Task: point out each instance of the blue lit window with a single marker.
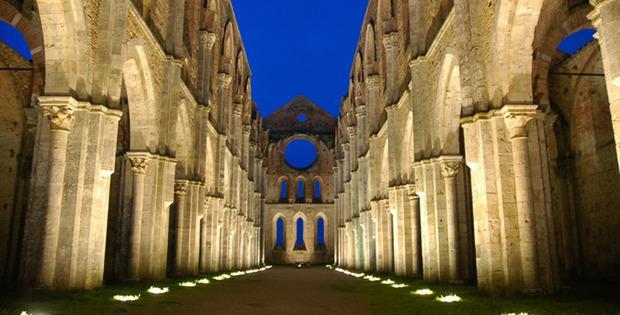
(299, 242)
(577, 40)
(14, 39)
(320, 233)
(280, 233)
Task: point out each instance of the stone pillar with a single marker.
(517, 118)
(606, 18)
(139, 163)
(223, 85)
(390, 42)
(207, 39)
(416, 250)
(450, 167)
(205, 242)
(59, 112)
(374, 89)
(180, 226)
(236, 129)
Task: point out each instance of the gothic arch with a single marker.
(370, 50)
(514, 29)
(184, 142)
(141, 99)
(67, 54)
(448, 107)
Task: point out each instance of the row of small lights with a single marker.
(451, 298)
(189, 284)
(186, 284)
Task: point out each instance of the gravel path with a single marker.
(280, 290)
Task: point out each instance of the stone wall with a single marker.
(478, 165)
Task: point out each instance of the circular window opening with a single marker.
(302, 118)
(300, 154)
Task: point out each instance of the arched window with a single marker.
(279, 234)
(320, 234)
(299, 242)
(301, 191)
(13, 38)
(283, 191)
(317, 190)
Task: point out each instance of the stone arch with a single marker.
(370, 50)
(67, 51)
(184, 142)
(227, 48)
(138, 82)
(546, 52)
(31, 31)
(448, 107)
(514, 29)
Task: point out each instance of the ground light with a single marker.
(156, 290)
(238, 273)
(187, 284)
(449, 298)
(126, 298)
(388, 282)
(423, 292)
(203, 281)
(523, 313)
(399, 286)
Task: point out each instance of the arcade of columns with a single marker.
(139, 148)
(469, 149)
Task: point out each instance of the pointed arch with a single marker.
(300, 220)
(67, 52)
(138, 82)
(448, 107)
(370, 49)
(184, 142)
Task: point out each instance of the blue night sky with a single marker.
(300, 47)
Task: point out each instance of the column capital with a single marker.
(237, 109)
(180, 187)
(224, 80)
(139, 161)
(360, 111)
(450, 166)
(352, 130)
(207, 39)
(390, 41)
(372, 81)
(59, 110)
(517, 117)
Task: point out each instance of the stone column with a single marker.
(139, 163)
(236, 129)
(416, 251)
(207, 39)
(180, 191)
(59, 112)
(223, 84)
(374, 88)
(390, 42)
(516, 119)
(450, 167)
(205, 242)
(606, 18)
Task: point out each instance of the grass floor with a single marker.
(579, 299)
(376, 297)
